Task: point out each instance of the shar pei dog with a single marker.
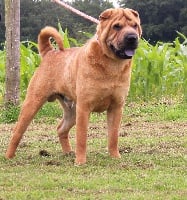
(91, 78)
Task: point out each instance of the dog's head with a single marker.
(118, 32)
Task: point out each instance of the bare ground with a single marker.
(95, 130)
(168, 135)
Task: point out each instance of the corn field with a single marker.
(159, 71)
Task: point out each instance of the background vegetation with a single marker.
(160, 18)
(159, 71)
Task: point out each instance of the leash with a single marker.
(70, 8)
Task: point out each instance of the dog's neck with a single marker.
(109, 55)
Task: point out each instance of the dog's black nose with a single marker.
(131, 38)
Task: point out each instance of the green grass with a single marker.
(153, 145)
(170, 111)
(157, 111)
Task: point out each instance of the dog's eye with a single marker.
(117, 27)
(135, 26)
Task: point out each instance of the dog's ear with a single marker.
(135, 13)
(105, 14)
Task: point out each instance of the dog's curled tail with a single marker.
(44, 43)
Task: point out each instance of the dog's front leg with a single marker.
(82, 119)
(113, 120)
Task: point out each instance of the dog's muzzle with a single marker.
(126, 48)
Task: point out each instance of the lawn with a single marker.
(153, 145)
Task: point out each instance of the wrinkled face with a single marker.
(118, 32)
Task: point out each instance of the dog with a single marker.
(91, 78)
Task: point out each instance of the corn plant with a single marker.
(67, 41)
(160, 70)
(30, 59)
(181, 50)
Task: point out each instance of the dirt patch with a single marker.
(53, 162)
(157, 128)
(149, 129)
(97, 130)
(123, 150)
(44, 153)
(167, 136)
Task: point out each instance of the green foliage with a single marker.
(160, 70)
(160, 18)
(64, 36)
(155, 111)
(49, 113)
(29, 61)
(160, 22)
(36, 14)
(9, 114)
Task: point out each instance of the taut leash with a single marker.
(70, 8)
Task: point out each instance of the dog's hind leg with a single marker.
(68, 121)
(31, 105)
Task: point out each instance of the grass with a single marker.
(153, 145)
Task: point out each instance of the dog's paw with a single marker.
(115, 155)
(9, 155)
(80, 161)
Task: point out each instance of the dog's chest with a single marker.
(100, 97)
(101, 104)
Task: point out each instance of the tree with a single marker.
(92, 8)
(37, 14)
(12, 79)
(160, 18)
